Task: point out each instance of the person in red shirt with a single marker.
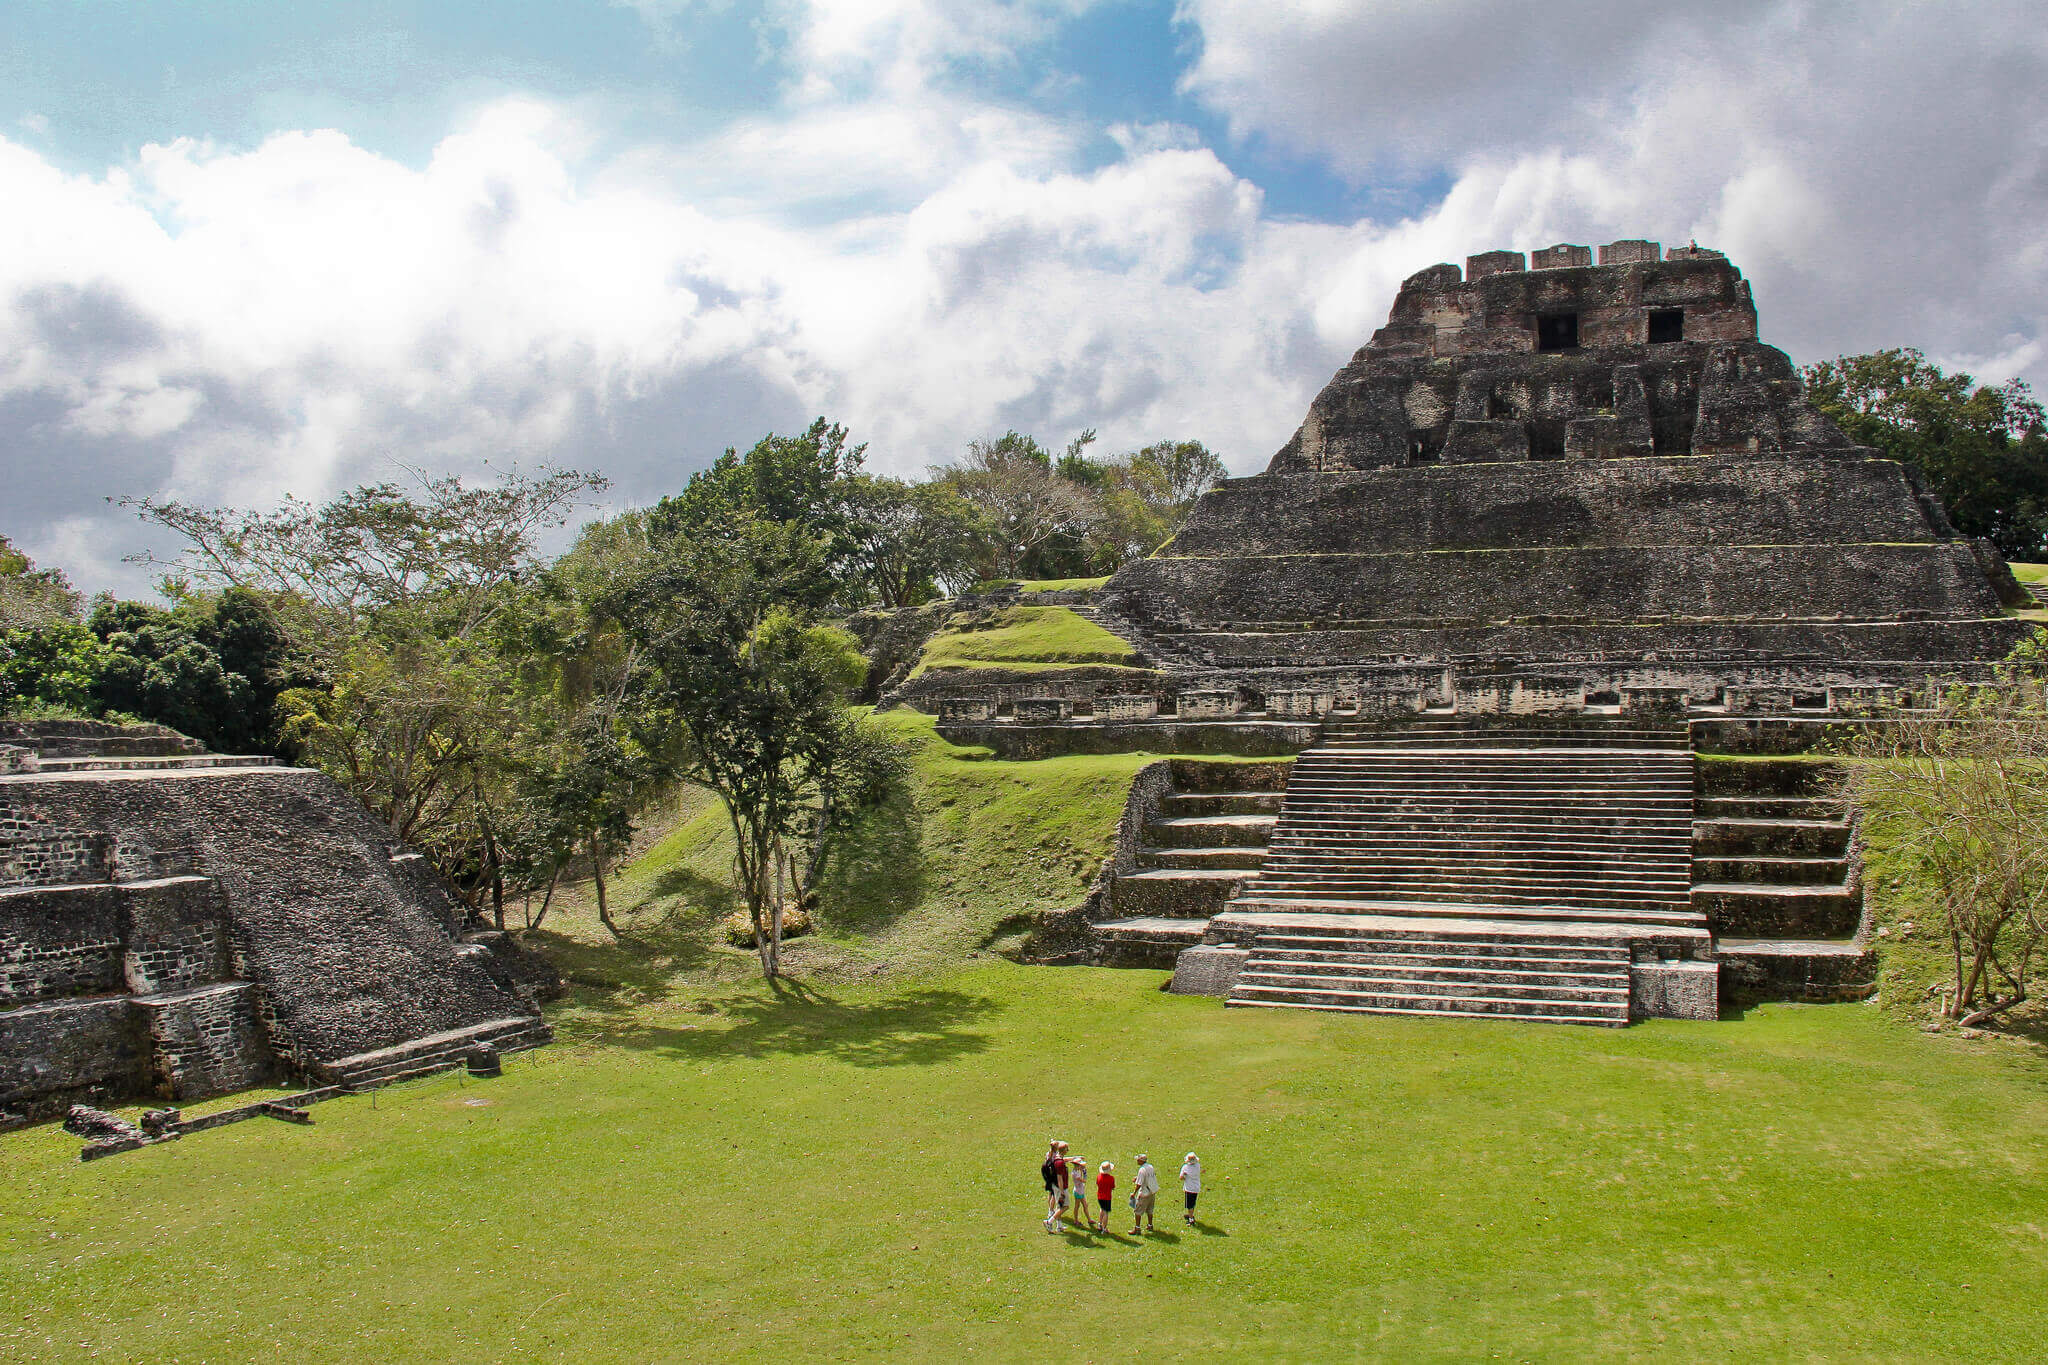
(1105, 1191)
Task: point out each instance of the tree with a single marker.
(1027, 507)
(53, 667)
(735, 660)
(32, 597)
(211, 667)
(910, 541)
(439, 558)
(402, 604)
(1961, 796)
(795, 479)
(1982, 449)
(1185, 470)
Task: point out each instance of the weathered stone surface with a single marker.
(1208, 970)
(1595, 474)
(289, 932)
(1674, 990)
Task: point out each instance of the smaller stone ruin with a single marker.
(176, 925)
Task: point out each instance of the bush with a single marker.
(739, 930)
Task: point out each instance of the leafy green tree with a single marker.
(1036, 522)
(53, 667)
(1981, 448)
(402, 604)
(782, 478)
(31, 597)
(911, 542)
(212, 667)
(737, 665)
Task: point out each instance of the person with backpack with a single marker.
(1054, 1171)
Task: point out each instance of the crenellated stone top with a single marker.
(1646, 353)
(1637, 295)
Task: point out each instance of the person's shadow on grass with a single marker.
(1208, 1229)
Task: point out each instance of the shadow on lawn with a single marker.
(877, 873)
(914, 1029)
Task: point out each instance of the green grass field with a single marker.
(1023, 638)
(845, 1168)
(2030, 573)
(849, 1173)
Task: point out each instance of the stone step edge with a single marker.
(1594, 1019)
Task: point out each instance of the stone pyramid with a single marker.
(1541, 488)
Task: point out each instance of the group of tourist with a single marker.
(1067, 1189)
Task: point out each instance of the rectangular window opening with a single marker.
(1425, 446)
(1558, 332)
(1666, 324)
(1546, 440)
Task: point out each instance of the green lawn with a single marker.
(1022, 638)
(950, 866)
(2030, 573)
(850, 1173)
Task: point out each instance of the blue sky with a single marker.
(249, 250)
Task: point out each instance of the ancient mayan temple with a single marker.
(1552, 540)
(1565, 483)
(176, 925)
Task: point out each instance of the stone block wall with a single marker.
(208, 1041)
(311, 939)
(59, 944)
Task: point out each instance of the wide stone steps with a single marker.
(1537, 909)
(1428, 734)
(1209, 831)
(1772, 807)
(1475, 981)
(1248, 859)
(105, 764)
(1220, 803)
(1770, 838)
(1775, 870)
(1439, 969)
(1176, 893)
(436, 1052)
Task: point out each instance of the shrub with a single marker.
(739, 930)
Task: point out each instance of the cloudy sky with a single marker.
(250, 249)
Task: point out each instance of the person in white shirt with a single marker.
(1143, 1195)
(1190, 1186)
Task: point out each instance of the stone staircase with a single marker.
(1201, 840)
(1154, 649)
(437, 1052)
(1424, 867)
(1775, 876)
(1458, 967)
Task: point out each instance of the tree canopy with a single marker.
(1981, 448)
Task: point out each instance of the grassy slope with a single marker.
(702, 1169)
(2030, 573)
(849, 1173)
(1024, 638)
(929, 879)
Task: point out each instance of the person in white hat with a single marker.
(1190, 1186)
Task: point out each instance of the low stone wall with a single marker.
(1248, 738)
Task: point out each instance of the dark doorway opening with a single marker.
(1546, 440)
(1558, 332)
(1666, 324)
(1425, 446)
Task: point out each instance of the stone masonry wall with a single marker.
(352, 953)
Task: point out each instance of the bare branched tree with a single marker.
(1961, 794)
